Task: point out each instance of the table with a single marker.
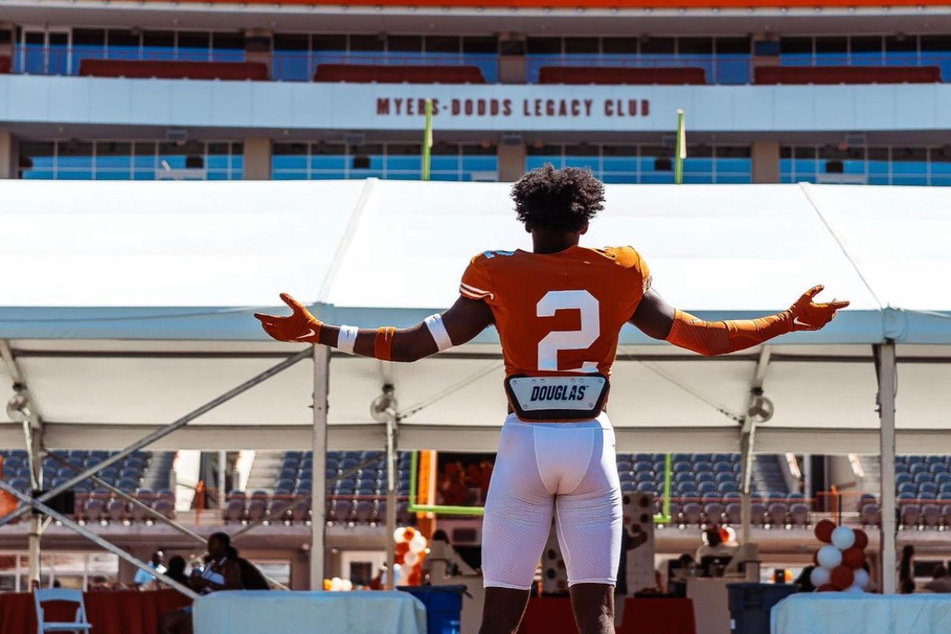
(259, 612)
(711, 603)
(834, 613)
(109, 612)
(552, 615)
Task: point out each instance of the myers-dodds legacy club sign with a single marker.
(527, 107)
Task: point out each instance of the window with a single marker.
(127, 160)
(322, 160)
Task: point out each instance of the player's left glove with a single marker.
(808, 315)
(299, 326)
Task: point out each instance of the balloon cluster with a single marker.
(410, 551)
(839, 563)
(338, 585)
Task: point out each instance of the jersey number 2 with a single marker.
(590, 330)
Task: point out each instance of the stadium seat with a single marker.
(713, 512)
(908, 487)
(798, 514)
(871, 515)
(620, 75)
(280, 507)
(757, 513)
(691, 513)
(777, 513)
(117, 510)
(930, 515)
(173, 69)
(771, 75)
(733, 513)
(910, 515)
(382, 74)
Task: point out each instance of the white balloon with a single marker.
(819, 576)
(411, 558)
(399, 535)
(855, 589)
(418, 543)
(861, 579)
(829, 557)
(843, 537)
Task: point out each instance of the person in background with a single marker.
(176, 570)
(940, 581)
(714, 546)
(906, 569)
(142, 579)
(804, 581)
(441, 550)
(221, 572)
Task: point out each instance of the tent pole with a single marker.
(391, 463)
(161, 433)
(96, 539)
(33, 439)
(318, 491)
(222, 478)
(886, 401)
(748, 441)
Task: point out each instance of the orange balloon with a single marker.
(826, 588)
(414, 578)
(861, 539)
(853, 558)
(824, 531)
(841, 577)
(401, 549)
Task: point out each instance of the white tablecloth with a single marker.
(266, 612)
(833, 613)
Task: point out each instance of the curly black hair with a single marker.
(563, 199)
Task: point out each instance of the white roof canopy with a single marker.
(128, 305)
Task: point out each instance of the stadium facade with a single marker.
(773, 91)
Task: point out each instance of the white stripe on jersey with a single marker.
(475, 293)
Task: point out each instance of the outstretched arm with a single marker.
(658, 319)
(458, 325)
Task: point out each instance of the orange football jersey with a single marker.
(559, 312)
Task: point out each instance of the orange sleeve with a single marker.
(711, 338)
(476, 281)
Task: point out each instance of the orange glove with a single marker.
(807, 315)
(711, 338)
(299, 326)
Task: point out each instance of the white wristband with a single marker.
(347, 339)
(438, 330)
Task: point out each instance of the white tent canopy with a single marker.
(127, 305)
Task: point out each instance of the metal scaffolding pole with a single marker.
(886, 362)
(391, 462)
(318, 500)
(748, 441)
(161, 433)
(96, 539)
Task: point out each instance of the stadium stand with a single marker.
(385, 74)
(619, 75)
(772, 75)
(174, 70)
(93, 502)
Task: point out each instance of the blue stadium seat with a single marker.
(921, 478)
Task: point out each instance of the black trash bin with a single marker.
(443, 606)
(750, 604)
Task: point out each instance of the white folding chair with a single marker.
(65, 595)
